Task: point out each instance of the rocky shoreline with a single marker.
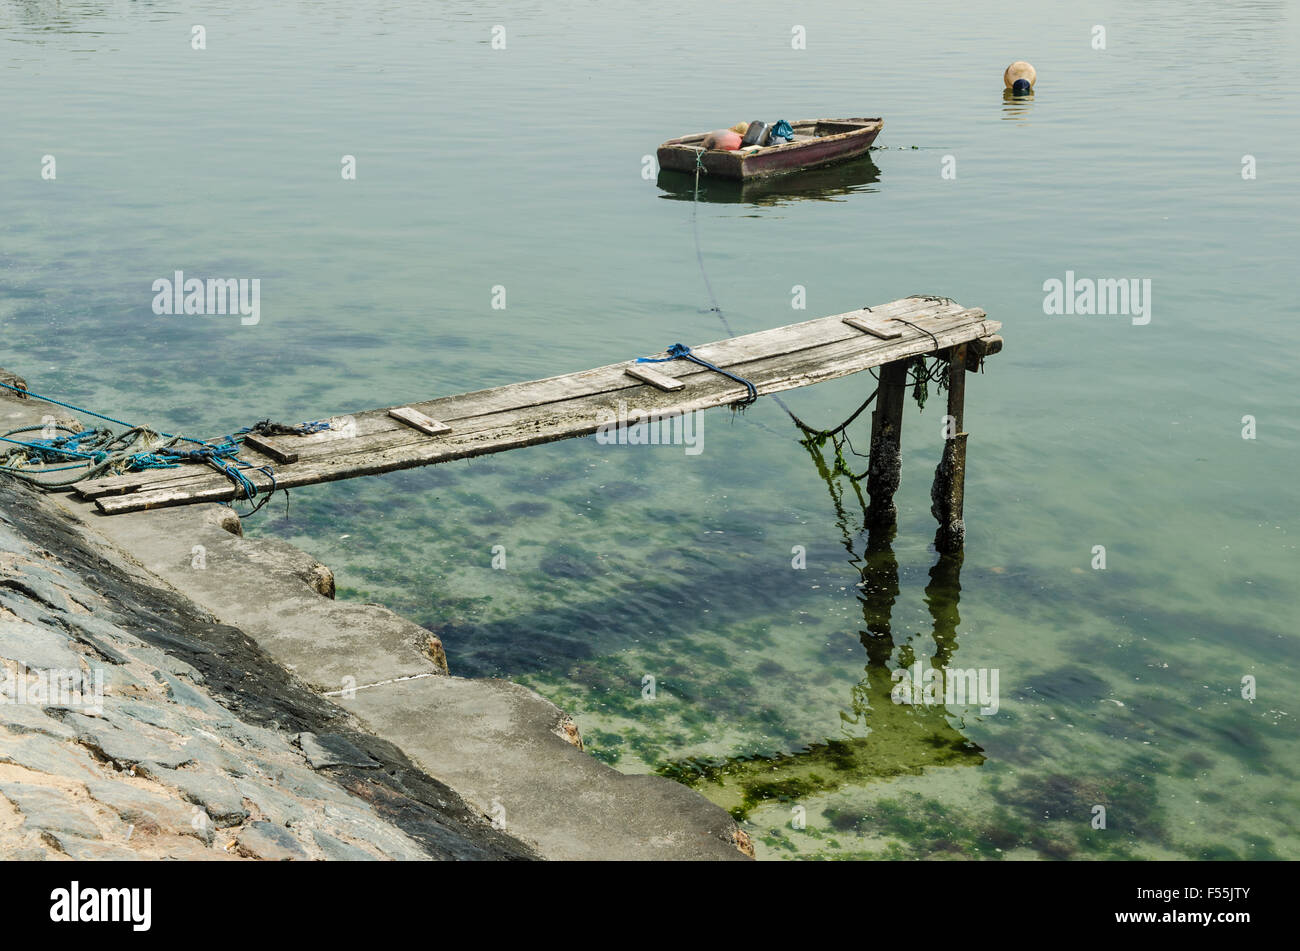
(246, 714)
(200, 746)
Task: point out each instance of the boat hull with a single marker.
(820, 142)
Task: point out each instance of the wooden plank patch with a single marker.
(665, 382)
(425, 424)
(877, 328)
(270, 450)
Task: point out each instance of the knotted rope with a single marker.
(91, 453)
(679, 351)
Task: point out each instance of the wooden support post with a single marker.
(886, 431)
(947, 494)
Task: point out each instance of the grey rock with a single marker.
(126, 747)
(11, 543)
(50, 755)
(30, 854)
(86, 850)
(49, 810)
(332, 749)
(212, 791)
(39, 585)
(28, 610)
(275, 805)
(38, 648)
(340, 851)
(30, 718)
(149, 812)
(102, 630)
(271, 842)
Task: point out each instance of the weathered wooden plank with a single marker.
(853, 347)
(416, 419)
(714, 391)
(453, 409)
(866, 351)
(877, 328)
(270, 450)
(774, 342)
(780, 341)
(522, 426)
(645, 374)
(980, 348)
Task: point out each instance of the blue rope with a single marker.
(681, 351)
(109, 450)
(54, 450)
(47, 399)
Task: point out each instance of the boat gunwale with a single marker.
(864, 126)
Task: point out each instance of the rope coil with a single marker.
(90, 453)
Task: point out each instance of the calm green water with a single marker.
(522, 167)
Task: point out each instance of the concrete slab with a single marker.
(272, 591)
(510, 752)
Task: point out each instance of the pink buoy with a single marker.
(724, 139)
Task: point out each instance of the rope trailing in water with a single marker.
(48, 399)
(679, 351)
(91, 453)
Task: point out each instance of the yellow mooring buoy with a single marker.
(1020, 77)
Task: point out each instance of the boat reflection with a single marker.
(1016, 107)
(832, 183)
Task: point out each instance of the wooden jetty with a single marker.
(576, 404)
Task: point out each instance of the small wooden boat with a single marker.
(817, 142)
